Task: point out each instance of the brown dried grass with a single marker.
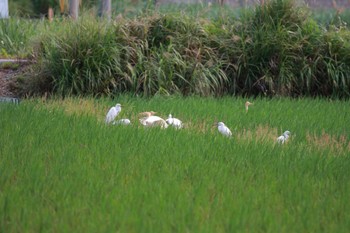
(337, 145)
(261, 134)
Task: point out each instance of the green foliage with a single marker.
(74, 174)
(15, 36)
(41, 6)
(273, 39)
(329, 17)
(281, 51)
(81, 58)
(271, 50)
(9, 65)
(21, 8)
(163, 54)
(31, 8)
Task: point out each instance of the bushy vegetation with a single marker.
(62, 169)
(275, 49)
(287, 53)
(15, 36)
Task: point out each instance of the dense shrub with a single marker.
(275, 49)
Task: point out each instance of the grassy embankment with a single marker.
(275, 50)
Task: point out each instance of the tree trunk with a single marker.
(74, 9)
(105, 9)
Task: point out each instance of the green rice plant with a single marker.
(70, 172)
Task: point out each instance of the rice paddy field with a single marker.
(63, 170)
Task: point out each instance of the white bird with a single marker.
(283, 138)
(176, 123)
(247, 105)
(154, 121)
(223, 129)
(122, 122)
(113, 113)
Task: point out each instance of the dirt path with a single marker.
(7, 74)
(5, 83)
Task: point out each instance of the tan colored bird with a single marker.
(247, 105)
(147, 114)
(154, 121)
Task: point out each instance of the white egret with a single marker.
(176, 123)
(122, 122)
(154, 121)
(247, 105)
(113, 113)
(283, 138)
(223, 129)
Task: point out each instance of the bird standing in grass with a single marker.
(283, 138)
(113, 113)
(223, 129)
(176, 123)
(247, 105)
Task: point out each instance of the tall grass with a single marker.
(271, 50)
(70, 172)
(15, 37)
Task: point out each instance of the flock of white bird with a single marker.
(149, 119)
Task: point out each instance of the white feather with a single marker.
(113, 113)
(223, 129)
(283, 138)
(176, 123)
